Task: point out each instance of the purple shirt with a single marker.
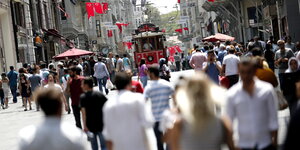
(142, 70)
(197, 60)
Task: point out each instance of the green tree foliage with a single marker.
(169, 22)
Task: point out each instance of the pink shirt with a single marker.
(197, 60)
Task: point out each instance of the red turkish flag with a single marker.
(163, 30)
(109, 33)
(120, 27)
(178, 49)
(98, 8)
(90, 9)
(128, 44)
(178, 1)
(171, 51)
(171, 58)
(105, 7)
(211, 0)
(178, 30)
(185, 28)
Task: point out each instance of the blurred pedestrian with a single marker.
(289, 44)
(91, 103)
(164, 70)
(255, 112)
(102, 75)
(230, 66)
(142, 74)
(119, 64)
(197, 60)
(136, 86)
(177, 61)
(24, 88)
(6, 89)
(35, 83)
(13, 81)
(86, 67)
(196, 125)
(126, 118)
(212, 67)
(293, 65)
(74, 83)
(269, 56)
(159, 93)
(126, 62)
(222, 53)
(92, 64)
(264, 74)
(111, 66)
(52, 133)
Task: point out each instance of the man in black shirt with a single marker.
(92, 103)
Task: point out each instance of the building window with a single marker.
(39, 11)
(20, 14)
(98, 28)
(63, 7)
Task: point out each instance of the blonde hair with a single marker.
(195, 101)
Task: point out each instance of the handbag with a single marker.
(109, 85)
(282, 102)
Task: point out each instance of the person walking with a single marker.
(164, 70)
(158, 92)
(136, 86)
(92, 65)
(92, 103)
(74, 84)
(222, 53)
(195, 124)
(282, 57)
(289, 44)
(197, 60)
(24, 88)
(252, 103)
(52, 133)
(102, 75)
(142, 75)
(86, 67)
(66, 89)
(212, 67)
(35, 82)
(177, 61)
(111, 66)
(230, 66)
(5, 88)
(119, 64)
(13, 81)
(127, 118)
(126, 62)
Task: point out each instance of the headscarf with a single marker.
(289, 70)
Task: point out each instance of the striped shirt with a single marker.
(159, 93)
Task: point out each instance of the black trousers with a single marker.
(270, 147)
(76, 113)
(177, 65)
(158, 135)
(233, 80)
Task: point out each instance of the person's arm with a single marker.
(64, 101)
(172, 136)
(83, 111)
(109, 145)
(223, 70)
(219, 66)
(229, 133)
(273, 116)
(205, 66)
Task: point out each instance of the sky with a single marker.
(162, 4)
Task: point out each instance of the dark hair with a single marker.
(210, 51)
(143, 61)
(117, 56)
(227, 43)
(231, 50)
(66, 70)
(73, 69)
(11, 67)
(25, 65)
(51, 67)
(154, 69)
(34, 69)
(122, 80)
(22, 75)
(50, 101)
(125, 55)
(3, 74)
(256, 52)
(88, 81)
(22, 70)
(269, 47)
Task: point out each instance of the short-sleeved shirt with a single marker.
(159, 93)
(288, 53)
(13, 78)
(56, 86)
(231, 61)
(197, 60)
(35, 81)
(142, 70)
(75, 90)
(93, 103)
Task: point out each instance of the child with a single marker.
(5, 88)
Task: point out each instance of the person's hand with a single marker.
(85, 129)
(285, 60)
(66, 108)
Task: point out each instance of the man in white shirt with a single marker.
(230, 66)
(52, 133)
(252, 103)
(126, 118)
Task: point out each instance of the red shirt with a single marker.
(76, 90)
(136, 87)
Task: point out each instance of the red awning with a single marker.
(219, 37)
(71, 53)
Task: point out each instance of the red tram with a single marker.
(149, 44)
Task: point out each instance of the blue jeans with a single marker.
(94, 141)
(13, 90)
(144, 80)
(102, 83)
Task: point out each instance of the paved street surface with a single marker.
(14, 118)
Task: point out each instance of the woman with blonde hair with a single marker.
(197, 126)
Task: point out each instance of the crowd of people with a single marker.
(154, 115)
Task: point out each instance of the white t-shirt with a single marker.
(231, 61)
